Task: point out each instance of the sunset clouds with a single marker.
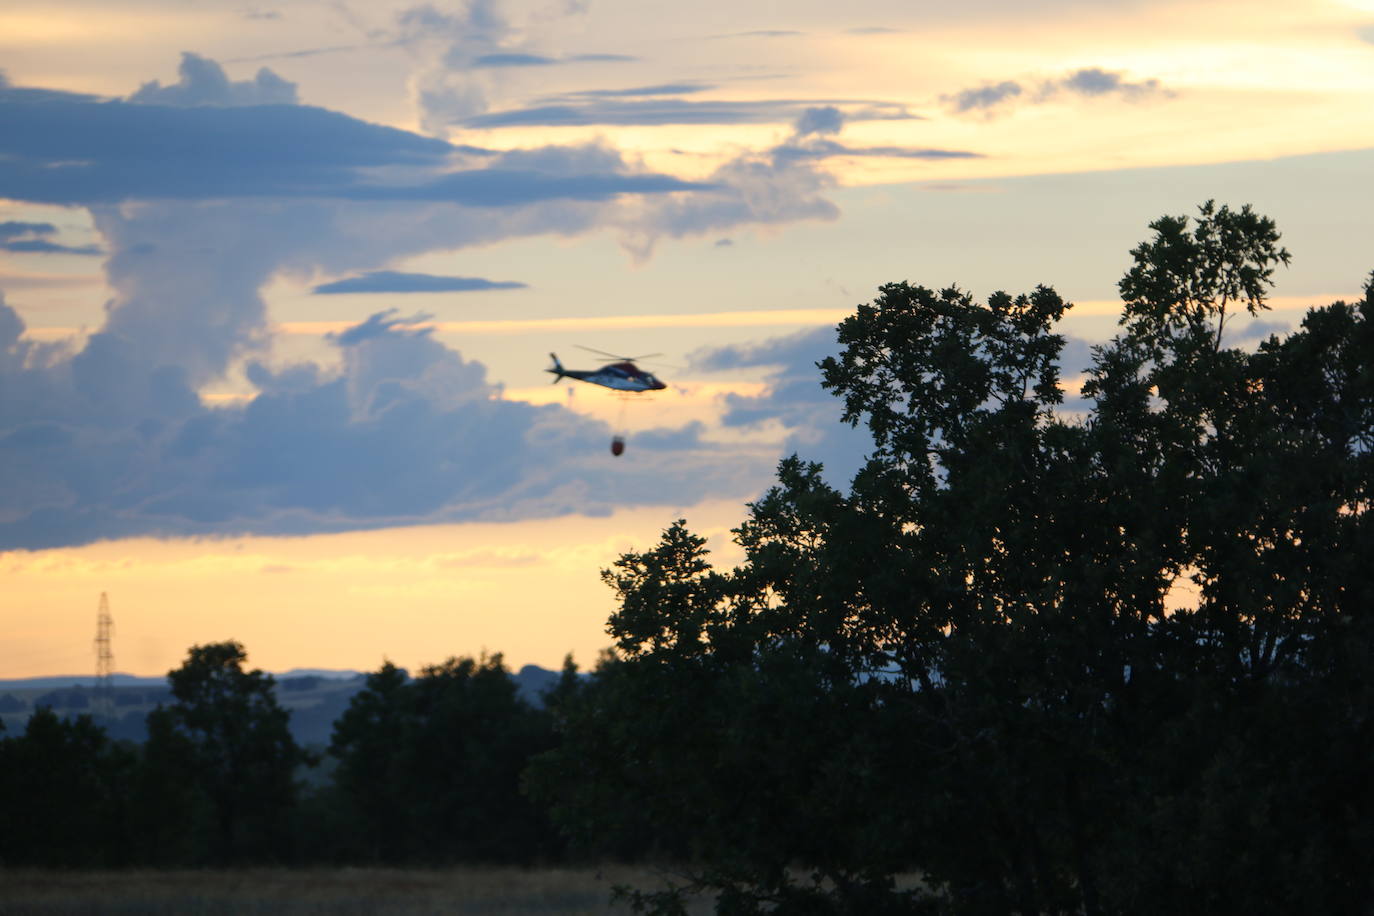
(295, 268)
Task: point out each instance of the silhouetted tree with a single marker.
(429, 768)
(1114, 660)
(224, 754)
(63, 794)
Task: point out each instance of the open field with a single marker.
(315, 892)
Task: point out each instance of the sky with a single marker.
(279, 281)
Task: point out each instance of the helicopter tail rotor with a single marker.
(557, 369)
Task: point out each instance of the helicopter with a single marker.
(621, 376)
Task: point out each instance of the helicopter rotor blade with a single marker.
(600, 352)
(629, 359)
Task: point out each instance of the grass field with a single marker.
(298, 892)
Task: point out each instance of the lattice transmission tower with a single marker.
(103, 705)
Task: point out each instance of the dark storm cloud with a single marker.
(71, 149)
(509, 187)
(657, 112)
(99, 445)
(12, 229)
(390, 281)
(233, 196)
(33, 238)
(109, 438)
(43, 246)
(1088, 82)
(64, 148)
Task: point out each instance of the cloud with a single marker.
(68, 149)
(1088, 82)
(518, 59)
(302, 52)
(821, 120)
(794, 398)
(763, 33)
(467, 57)
(30, 238)
(983, 98)
(1096, 81)
(810, 140)
(97, 444)
(11, 229)
(513, 60)
(664, 111)
(778, 185)
(201, 206)
(390, 281)
(379, 325)
(659, 89)
(1366, 33)
(202, 81)
(43, 246)
(1260, 330)
(828, 149)
(230, 196)
(752, 188)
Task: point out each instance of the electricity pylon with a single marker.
(102, 706)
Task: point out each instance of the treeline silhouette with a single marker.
(421, 770)
(1105, 655)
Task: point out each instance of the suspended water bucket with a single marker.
(617, 445)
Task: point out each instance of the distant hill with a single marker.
(130, 680)
(315, 697)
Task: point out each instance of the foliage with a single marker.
(224, 759)
(62, 794)
(1107, 660)
(429, 768)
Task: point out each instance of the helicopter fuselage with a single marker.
(622, 376)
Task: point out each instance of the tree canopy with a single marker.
(429, 768)
(224, 758)
(1103, 650)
